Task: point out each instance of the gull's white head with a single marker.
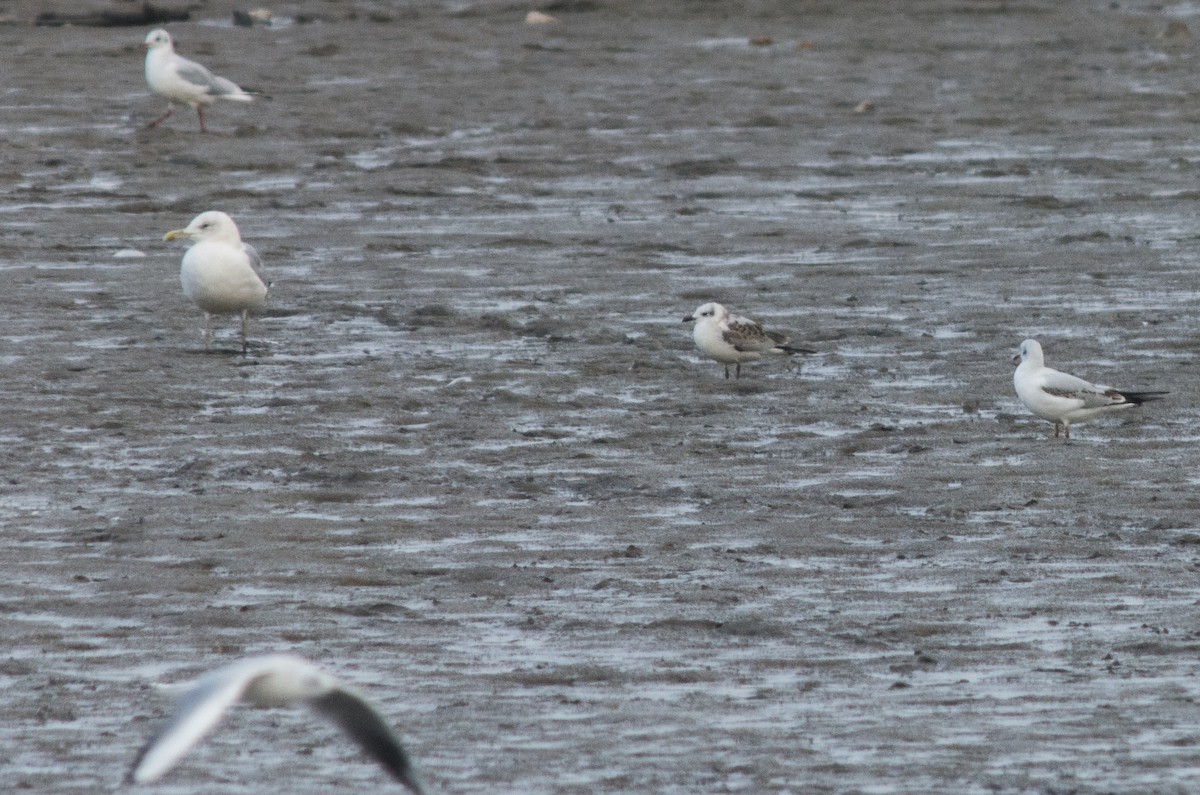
(1030, 351)
(156, 39)
(709, 310)
(212, 226)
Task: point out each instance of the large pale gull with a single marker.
(219, 273)
(732, 339)
(182, 81)
(1061, 398)
(277, 680)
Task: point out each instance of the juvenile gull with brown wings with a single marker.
(276, 680)
(732, 339)
(1061, 398)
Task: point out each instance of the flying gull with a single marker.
(276, 680)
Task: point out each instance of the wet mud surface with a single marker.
(473, 464)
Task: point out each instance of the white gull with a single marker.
(1061, 398)
(182, 81)
(219, 273)
(276, 680)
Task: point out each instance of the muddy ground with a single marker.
(473, 464)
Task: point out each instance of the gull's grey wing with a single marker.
(352, 712)
(194, 73)
(197, 75)
(1065, 385)
(255, 260)
(196, 714)
(746, 335)
(1056, 380)
(255, 263)
(221, 86)
(1091, 399)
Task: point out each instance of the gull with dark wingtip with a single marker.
(732, 339)
(276, 680)
(1061, 398)
(183, 81)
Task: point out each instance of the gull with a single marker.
(1062, 398)
(183, 81)
(732, 339)
(219, 272)
(273, 680)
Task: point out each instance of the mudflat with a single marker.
(473, 464)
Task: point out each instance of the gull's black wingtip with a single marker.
(364, 724)
(1138, 398)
